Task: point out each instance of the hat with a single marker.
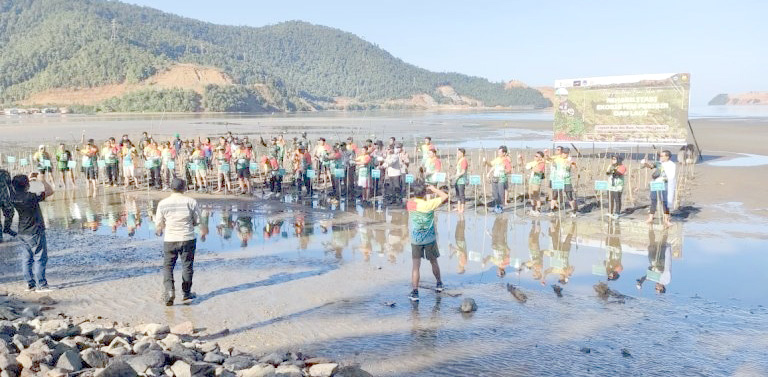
(41, 146)
(176, 135)
(565, 150)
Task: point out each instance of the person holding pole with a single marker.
(562, 166)
(537, 168)
(460, 182)
(500, 168)
(664, 171)
(616, 172)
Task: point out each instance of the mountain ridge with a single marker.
(75, 44)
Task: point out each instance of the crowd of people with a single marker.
(342, 169)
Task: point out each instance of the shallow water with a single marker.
(743, 160)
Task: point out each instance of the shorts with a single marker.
(568, 189)
(428, 251)
(91, 173)
(44, 169)
(243, 173)
(64, 169)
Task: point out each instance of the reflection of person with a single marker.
(560, 253)
(664, 171)
(244, 229)
(613, 267)
(461, 246)
(177, 216)
(31, 231)
(421, 211)
(536, 264)
(499, 245)
(659, 262)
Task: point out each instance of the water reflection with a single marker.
(560, 251)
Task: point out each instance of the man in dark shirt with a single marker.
(31, 231)
(5, 204)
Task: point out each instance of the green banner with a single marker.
(637, 109)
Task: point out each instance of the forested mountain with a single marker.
(51, 44)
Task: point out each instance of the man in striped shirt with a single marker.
(176, 218)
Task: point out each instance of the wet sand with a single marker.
(318, 281)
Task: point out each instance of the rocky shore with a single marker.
(36, 340)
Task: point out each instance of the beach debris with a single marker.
(391, 304)
(625, 352)
(59, 345)
(468, 305)
(606, 293)
(586, 350)
(558, 290)
(517, 293)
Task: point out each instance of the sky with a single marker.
(721, 44)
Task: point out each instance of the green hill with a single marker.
(50, 44)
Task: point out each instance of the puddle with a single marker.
(746, 160)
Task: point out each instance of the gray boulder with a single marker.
(235, 363)
(151, 359)
(94, 358)
(184, 369)
(70, 361)
(468, 305)
(117, 368)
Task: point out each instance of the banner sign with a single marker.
(638, 109)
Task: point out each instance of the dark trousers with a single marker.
(154, 177)
(498, 193)
(34, 257)
(276, 183)
(8, 213)
(303, 180)
(184, 250)
(655, 196)
(113, 174)
(394, 191)
(614, 202)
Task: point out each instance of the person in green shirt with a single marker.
(63, 157)
(421, 221)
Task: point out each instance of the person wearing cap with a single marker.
(500, 168)
(43, 161)
(616, 172)
(175, 220)
(177, 143)
(90, 155)
(562, 165)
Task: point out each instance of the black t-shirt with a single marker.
(30, 217)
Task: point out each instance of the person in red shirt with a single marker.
(461, 179)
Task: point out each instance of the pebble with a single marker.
(468, 305)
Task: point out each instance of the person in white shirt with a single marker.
(176, 218)
(664, 171)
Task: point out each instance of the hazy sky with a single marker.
(722, 44)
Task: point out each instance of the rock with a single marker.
(65, 332)
(185, 369)
(147, 344)
(351, 371)
(259, 370)
(288, 371)
(517, 293)
(57, 372)
(273, 358)
(208, 347)
(558, 290)
(7, 329)
(323, 370)
(585, 350)
(6, 348)
(46, 300)
(118, 346)
(153, 329)
(170, 341)
(70, 361)
(151, 359)
(89, 328)
(7, 314)
(30, 312)
(235, 363)
(94, 358)
(316, 360)
(625, 352)
(8, 363)
(21, 341)
(468, 305)
(184, 328)
(104, 336)
(117, 368)
(214, 357)
(37, 352)
(178, 352)
(221, 372)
